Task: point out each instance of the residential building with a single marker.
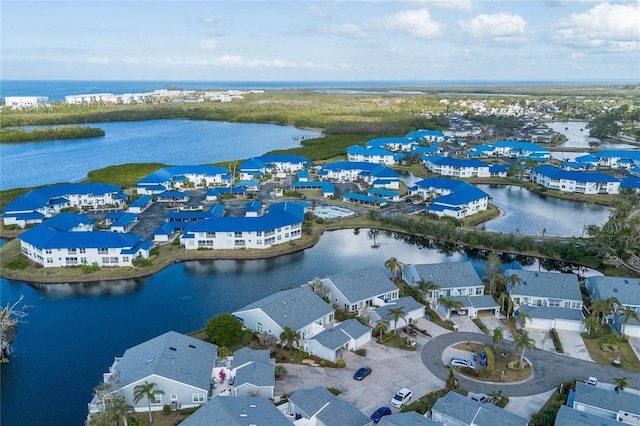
(357, 153)
(325, 187)
(409, 418)
(466, 200)
(25, 102)
(70, 222)
(368, 200)
(119, 221)
(618, 158)
(319, 407)
(299, 309)
(567, 416)
(238, 411)
(457, 167)
(513, 149)
(377, 175)
(430, 188)
(609, 404)
(279, 165)
(54, 248)
(275, 226)
(183, 176)
(140, 204)
(330, 343)
(253, 373)
(454, 409)
(178, 365)
(626, 291)
(452, 278)
(412, 311)
(551, 299)
(426, 136)
(366, 288)
(575, 181)
(41, 203)
(391, 144)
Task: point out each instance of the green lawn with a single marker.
(628, 358)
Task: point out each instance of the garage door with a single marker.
(569, 325)
(545, 324)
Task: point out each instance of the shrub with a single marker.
(302, 354)
(491, 361)
(187, 411)
(480, 324)
(341, 363)
(468, 371)
(556, 341)
(323, 363)
(20, 262)
(334, 391)
(361, 352)
(175, 242)
(166, 410)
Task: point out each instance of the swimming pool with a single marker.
(332, 212)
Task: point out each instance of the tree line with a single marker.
(49, 134)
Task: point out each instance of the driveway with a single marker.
(392, 368)
(491, 322)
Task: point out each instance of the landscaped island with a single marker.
(49, 134)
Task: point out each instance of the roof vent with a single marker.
(284, 302)
(172, 348)
(149, 360)
(437, 266)
(615, 290)
(626, 281)
(185, 371)
(244, 415)
(192, 346)
(536, 274)
(252, 405)
(170, 356)
(285, 315)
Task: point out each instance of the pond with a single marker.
(577, 135)
(74, 331)
(530, 213)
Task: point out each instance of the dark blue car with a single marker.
(379, 413)
(362, 373)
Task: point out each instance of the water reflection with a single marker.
(98, 288)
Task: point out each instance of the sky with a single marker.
(304, 40)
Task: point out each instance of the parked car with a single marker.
(401, 398)
(462, 362)
(410, 330)
(592, 381)
(479, 397)
(362, 373)
(379, 413)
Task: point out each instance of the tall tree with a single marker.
(524, 342)
(493, 271)
(621, 382)
(224, 329)
(381, 327)
(426, 287)
(10, 316)
(452, 382)
(318, 287)
(592, 323)
(495, 396)
(146, 390)
(506, 302)
(628, 313)
(395, 267)
(397, 313)
(286, 337)
(512, 281)
(450, 304)
(498, 336)
(522, 318)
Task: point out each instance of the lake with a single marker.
(578, 136)
(172, 142)
(529, 213)
(74, 331)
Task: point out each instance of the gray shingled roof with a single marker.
(545, 284)
(363, 284)
(238, 411)
(245, 355)
(310, 401)
(551, 312)
(295, 308)
(257, 374)
(408, 302)
(445, 275)
(334, 338)
(567, 416)
(465, 410)
(410, 418)
(626, 290)
(606, 399)
(171, 355)
(330, 409)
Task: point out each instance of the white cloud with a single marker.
(208, 44)
(417, 23)
(345, 30)
(496, 27)
(315, 10)
(101, 61)
(604, 27)
(461, 5)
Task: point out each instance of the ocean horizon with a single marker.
(56, 90)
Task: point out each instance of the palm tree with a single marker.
(450, 304)
(397, 313)
(522, 318)
(287, 337)
(505, 299)
(592, 323)
(628, 314)
(426, 287)
(254, 393)
(495, 278)
(452, 382)
(394, 266)
(523, 341)
(295, 338)
(495, 396)
(120, 409)
(512, 281)
(382, 325)
(621, 383)
(223, 353)
(498, 336)
(147, 391)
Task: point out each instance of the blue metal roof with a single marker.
(169, 174)
(266, 222)
(142, 201)
(424, 133)
(459, 162)
(384, 142)
(439, 183)
(556, 173)
(45, 237)
(463, 194)
(359, 150)
(41, 197)
(66, 221)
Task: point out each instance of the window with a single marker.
(259, 327)
(71, 260)
(197, 397)
(238, 234)
(479, 291)
(83, 251)
(83, 260)
(49, 259)
(105, 260)
(174, 397)
(554, 302)
(71, 251)
(114, 260)
(157, 399)
(48, 251)
(103, 251)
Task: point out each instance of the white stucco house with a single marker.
(575, 181)
(330, 343)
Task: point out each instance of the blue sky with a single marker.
(320, 40)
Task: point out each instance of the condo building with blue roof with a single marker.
(458, 167)
(575, 181)
(377, 175)
(272, 164)
(176, 177)
(41, 203)
(357, 153)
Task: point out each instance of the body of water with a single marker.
(74, 331)
(577, 135)
(172, 142)
(529, 213)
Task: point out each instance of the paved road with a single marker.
(550, 369)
